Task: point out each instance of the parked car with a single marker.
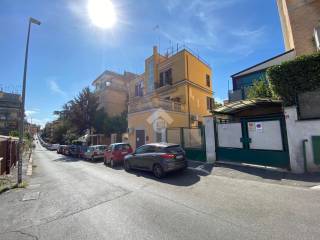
(60, 149)
(95, 152)
(74, 150)
(82, 151)
(115, 153)
(159, 158)
(53, 147)
(65, 150)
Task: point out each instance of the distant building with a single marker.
(175, 90)
(9, 112)
(300, 21)
(244, 79)
(112, 91)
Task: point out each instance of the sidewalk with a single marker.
(257, 174)
(8, 181)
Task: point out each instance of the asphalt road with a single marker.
(76, 199)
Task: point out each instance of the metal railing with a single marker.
(150, 103)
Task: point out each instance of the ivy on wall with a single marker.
(296, 76)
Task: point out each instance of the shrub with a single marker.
(293, 77)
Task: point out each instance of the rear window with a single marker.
(173, 149)
(102, 147)
(122, 147)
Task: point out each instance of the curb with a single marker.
(29, 169)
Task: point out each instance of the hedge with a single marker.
(293, 77)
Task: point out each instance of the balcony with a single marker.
(143, 104)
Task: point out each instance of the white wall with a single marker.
(210, 141)
(297, 131)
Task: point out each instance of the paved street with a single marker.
(76, 199)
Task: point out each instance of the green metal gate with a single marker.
(191, 139)
(260, 141)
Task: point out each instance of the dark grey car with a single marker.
(159, 158)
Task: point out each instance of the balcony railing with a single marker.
(151, 103)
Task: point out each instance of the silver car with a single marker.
(95, 152)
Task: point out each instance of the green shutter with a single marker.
(316, 149)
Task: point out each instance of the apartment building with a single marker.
(112, 91)
(10, 104)
(300, 21)
(175, 90)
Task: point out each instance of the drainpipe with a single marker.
(304, 155)
(189, 116)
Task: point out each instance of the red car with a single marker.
(115, 153)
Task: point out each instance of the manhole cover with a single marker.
(31, 196)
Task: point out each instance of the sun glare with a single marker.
(102, 13)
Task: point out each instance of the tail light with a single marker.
(168, 156)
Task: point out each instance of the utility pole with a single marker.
(21, 128)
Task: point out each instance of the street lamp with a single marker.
(35, 21)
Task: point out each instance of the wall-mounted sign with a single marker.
(259, 126)
(251, 126)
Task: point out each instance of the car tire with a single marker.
(91, 159)
(158, 171)
(126, 165)
(112, 165)
(104, 161)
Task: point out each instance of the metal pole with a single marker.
(21, 127)
(22, 106)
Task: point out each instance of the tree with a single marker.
(260, 89)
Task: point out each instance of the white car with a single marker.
(95, 152)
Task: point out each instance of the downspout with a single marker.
(188, 92)
(304, 141)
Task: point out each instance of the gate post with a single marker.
(210, 139)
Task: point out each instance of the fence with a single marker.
(9, 154)
(191, 139)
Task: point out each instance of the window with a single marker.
(161, 79)
(142, 149)
(166, 78)
(208, 80)
(209, 103)
(138, 89)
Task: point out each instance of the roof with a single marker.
(114, 74)
(162, 144)
(238, 106)
(267, 63)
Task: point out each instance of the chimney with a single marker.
(155, 50)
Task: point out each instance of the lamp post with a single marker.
(31, 20)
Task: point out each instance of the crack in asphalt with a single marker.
(24, 233)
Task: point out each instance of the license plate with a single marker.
(179, 157)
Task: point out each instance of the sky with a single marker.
(67, 51)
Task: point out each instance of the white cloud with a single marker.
(55, 88)
(202, 29)
(30, 113)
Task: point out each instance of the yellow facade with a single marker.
(171, 93)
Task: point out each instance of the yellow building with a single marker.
(174, 91)
(300, 25)
(112, 91)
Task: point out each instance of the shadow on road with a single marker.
(183, 178)
(265, 173)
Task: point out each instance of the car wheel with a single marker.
(104, 161)
(158, 171)
(92, 159)
(111, 163)
(127, 166)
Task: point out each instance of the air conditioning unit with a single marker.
(317, 37)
